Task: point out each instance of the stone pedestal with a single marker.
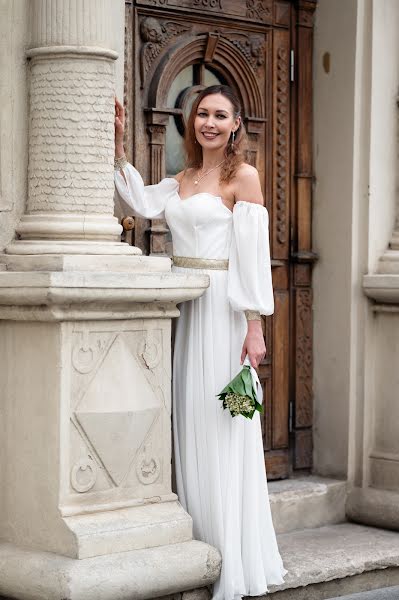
(86, 506)
(86, 446)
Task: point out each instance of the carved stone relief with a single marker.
(119, 414)
(148, 466)
(83, 475)
(88, 351)
(156, 35)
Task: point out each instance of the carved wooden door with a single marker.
(263, 49)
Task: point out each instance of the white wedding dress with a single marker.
(219, 460)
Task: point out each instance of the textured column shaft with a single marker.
(71, 138)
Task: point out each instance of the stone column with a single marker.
(71, 140)
(375, 499)
(87, 507)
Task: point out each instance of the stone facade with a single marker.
(355, 228)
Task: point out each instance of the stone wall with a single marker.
(356, 84)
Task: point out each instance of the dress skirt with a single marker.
(219, 460)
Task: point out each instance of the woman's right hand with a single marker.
(119, 128)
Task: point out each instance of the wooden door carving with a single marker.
(248, 45)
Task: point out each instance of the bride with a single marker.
(219, 226)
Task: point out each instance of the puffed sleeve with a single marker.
(141, 200)
(249, 276)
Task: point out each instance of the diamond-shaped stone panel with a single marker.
(119, 384)
(118, 410)
(117, 437)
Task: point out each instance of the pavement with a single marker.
(391, 593)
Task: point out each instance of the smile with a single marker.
(208, 135)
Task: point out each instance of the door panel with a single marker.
(173, 49)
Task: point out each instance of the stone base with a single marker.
(137, 575)
(307, 502)
(378, 508)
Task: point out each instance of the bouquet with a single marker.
(243, 395)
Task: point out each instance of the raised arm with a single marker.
(135, 197)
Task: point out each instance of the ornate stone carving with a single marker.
(148, 467)
(258, 9)
(83, 475)
(304, 358)
(114, 418)
(87, 351)
(282, 149)
(156, 34)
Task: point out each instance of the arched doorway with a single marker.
(179, 46)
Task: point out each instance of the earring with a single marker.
(233, 137)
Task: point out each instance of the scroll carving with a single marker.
(258, 9)
(87, 351)
(83, 475)
(282, 116)
(155, 35)
(148, 471)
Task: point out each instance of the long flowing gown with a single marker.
(219, 460)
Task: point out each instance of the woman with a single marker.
(214, 209)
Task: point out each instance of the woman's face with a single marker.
(215, 121)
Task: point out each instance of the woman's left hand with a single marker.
(254, 344)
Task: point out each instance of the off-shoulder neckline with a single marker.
(245, 202)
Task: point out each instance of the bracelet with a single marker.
(120, 163)
(252, 315)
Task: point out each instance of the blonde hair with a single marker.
(235, 150)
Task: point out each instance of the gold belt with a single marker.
(201, 263)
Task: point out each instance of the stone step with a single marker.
(336, 560)
(390, 593)
(307, 502)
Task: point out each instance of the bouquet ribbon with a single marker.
(255, 380)
(243, 395)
